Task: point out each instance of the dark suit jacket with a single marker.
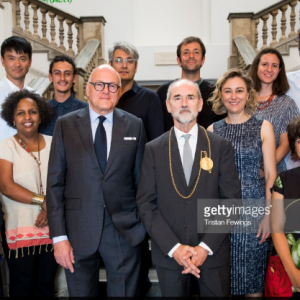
(77, 189)
(170, 219)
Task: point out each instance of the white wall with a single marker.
(160, 25)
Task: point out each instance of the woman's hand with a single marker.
(264, 229)
(295, 278)
(41, 220)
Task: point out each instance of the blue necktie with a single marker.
(100, 144)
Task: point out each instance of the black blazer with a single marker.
(77, 189)
(170, 219)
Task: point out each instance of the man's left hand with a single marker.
(197, 259)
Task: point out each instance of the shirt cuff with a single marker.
(173, 250)
(59, 239)
(203, 245)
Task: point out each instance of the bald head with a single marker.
(104, 68)
(102, 81)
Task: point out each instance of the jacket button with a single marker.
(184, 225)
(103, 181)
(187, 202)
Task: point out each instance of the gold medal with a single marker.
(206, 163)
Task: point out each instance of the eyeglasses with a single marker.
(100, 86)
(120, 60)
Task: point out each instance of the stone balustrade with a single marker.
(272, 27)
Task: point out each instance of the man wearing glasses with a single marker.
(135, 99)
(94, 170)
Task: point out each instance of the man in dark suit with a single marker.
(168, 192)
(94, 169)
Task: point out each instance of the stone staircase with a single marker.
(251, 32)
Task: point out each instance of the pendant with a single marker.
(206, 164)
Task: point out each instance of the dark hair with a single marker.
(280, 84)
(293, 131)
(66, 58)
(188, 40)
(11, 102)
(18, 44)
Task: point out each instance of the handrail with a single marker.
(270, 8)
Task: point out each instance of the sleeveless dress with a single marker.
(248, 258)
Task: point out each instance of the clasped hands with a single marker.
(190, 258)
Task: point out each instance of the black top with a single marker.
(287, 184)
(61, 109)
(205, 118)
(144, 104)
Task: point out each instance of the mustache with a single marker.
(185, 109)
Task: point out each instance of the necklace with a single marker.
(267, 102)
(205, 163)
(38, 161)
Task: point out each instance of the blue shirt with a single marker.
(61, 109)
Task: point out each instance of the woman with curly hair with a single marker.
(270, 82)
(23, 174)
(253, 140)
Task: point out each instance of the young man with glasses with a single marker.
(135, 99)
(62, 74)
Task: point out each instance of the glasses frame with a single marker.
(124, 60)
(104, 84)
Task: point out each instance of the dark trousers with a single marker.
(212, 283)
(31, 275)
(122, 263)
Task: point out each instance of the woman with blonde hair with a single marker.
(253, 140)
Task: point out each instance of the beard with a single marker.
(185, 118)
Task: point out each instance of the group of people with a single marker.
(80, 181)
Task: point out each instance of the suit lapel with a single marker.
(83, 124)
(201, 146)
(118, 132)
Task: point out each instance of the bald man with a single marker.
(94, 170)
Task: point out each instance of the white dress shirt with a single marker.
(108, 125)
(193, 143)
(7, 87)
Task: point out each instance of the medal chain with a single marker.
(199, 173)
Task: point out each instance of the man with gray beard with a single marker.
(171, 182)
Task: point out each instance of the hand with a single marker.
(295, 278)
(261, 173)
(41, 220)
(64, 256)
(264, 229)
(183, 256)
(44, 206)
(294, 157)
(197, 260)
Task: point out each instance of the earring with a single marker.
(14, 124)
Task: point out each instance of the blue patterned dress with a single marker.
(248, 258)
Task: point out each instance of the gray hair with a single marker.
(126, 47)
(177, 81)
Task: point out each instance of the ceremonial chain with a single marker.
(205, 163)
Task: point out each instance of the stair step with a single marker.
(152, 275)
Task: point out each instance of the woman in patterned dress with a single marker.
(253, 140)
(269, 76)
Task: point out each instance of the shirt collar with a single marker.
(193, 132)
(94, 116)
(12, 86)
(65, 104)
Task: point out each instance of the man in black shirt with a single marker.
(191, 57)
(135, 99)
